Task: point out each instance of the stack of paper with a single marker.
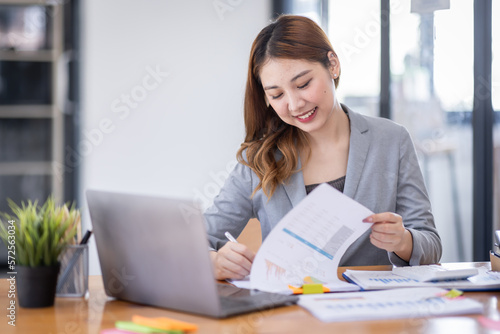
(377, 280)
(387, 304)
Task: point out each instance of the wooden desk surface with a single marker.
(90, 315)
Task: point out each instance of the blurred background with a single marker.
(147, 97)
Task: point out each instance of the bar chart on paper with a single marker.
(274, 271)
(309, 241)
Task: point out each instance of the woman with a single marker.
(298, 135)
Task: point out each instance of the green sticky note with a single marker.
(312, 288)
(315, 280)
(133, 327)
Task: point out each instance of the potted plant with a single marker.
(36, 236)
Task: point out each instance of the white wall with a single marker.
(177, 134)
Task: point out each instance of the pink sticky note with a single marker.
(489, 323)
(115, 331)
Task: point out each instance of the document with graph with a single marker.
(389, 304)
(309, 242)
(485, 280)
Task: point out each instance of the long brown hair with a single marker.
(272, 146)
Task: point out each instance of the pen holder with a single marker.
(495, 262)
(73, 277)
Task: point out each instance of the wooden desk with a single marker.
(90, 315)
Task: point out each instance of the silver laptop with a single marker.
(154, 251)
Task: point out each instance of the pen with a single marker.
(230, 237)
(86, 237)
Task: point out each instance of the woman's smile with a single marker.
(307, 116)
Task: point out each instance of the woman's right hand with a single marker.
(233, 260)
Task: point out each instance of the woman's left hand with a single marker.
(389, 233)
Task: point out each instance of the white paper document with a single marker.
(377, 280)
(240, 283)
(387, 304)
(309, 242)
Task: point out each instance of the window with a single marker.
(495, 82)
(355, 37)
(432, 93)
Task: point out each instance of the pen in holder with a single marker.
(74, 274)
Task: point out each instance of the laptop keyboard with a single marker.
(258, 299)
(254, 300)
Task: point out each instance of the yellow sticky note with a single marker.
(312, 288)
(453, 293)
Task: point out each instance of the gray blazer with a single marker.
(383, 174)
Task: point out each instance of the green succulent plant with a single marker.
(39, 233)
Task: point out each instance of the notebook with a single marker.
(154, 251)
